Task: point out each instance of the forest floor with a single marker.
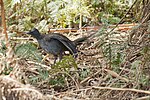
(89, 77)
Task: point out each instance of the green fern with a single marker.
(28, 51)
(65, 64)
(61, 68)
(57, 74)
(112, 49)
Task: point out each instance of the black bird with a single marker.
(56, 43)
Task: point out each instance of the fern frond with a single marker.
(28, 51)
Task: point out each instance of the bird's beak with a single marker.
(28, 32)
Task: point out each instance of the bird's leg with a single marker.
(75, 55)
(55, 58)
(60, 56)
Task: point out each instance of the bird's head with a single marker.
(34, 33)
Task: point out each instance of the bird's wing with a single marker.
(64, 40)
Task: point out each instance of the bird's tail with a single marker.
(82, 39)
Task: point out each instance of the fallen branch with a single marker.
(4, 21)
(122, 89)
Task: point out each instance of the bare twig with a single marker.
(83, 81)
(122, 89)
(4, 21)
(123, 16)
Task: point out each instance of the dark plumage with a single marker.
(56, 43)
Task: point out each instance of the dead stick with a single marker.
(4, 21)
(122, 89)
(123, 17)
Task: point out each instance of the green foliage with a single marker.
(57, 74)
(3, 48)
(110, 19)
(28, 51)
(109, 10)
(111, 47)
(84, 73)
(59, 80)
(26, 14)
(116, 61)
(139, 76)
(62, 70)
(64, 12)
(146, 53)
(43, 75)
(65, 64)
(7, 70)
(136, 64)
(144, 80)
